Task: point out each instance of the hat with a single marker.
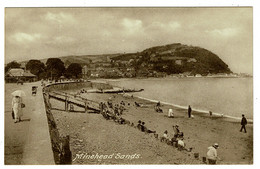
(216, 145)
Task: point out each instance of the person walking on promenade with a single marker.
(243, 123)
(212, 154)
(17, 104)
(189, 111)
(17, 108)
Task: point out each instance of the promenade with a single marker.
(27, 142)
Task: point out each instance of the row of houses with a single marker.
(119, 72)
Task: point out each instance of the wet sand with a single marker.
(91, 134)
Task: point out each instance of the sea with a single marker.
(230, 97)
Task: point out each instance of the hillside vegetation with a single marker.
(178, 58)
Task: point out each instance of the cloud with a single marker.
(174, 25)
(226, 32)
(24, 37)
(60, 17)
(132, 26)
(48, 31)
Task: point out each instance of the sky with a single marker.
(37, 33)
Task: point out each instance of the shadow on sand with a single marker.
(22, 120)
(175, 117)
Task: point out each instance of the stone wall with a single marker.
(60, 145)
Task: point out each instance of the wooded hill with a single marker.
(177, 58)
(171, 59)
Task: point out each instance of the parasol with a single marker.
(19, 93)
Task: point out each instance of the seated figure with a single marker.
(145, 129)
(170, 113)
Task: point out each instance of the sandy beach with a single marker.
(91, 134)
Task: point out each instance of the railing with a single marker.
(76, 100)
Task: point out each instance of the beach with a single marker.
(228, 96)
(101, 141)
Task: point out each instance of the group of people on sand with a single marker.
(78, 93)
(110, 111)
(178, 137)
(141, 126)
(177, 140)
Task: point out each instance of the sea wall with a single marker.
(61, 145)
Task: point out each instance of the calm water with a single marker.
(228, 96)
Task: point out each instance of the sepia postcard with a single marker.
(128, 85)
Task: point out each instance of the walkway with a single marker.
(27, 142)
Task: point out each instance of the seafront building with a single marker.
(16, 74)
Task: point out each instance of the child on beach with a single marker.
(165, 137)
(165, 134)
(157, 108)
(170, 113)
(139, 125)
(182, 146)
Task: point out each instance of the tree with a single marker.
(11, 65)
(74, 69)
(36, 67)
(55, 67)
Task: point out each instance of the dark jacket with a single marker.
(243, 121)
(189, 110)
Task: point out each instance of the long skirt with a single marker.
(17, 111)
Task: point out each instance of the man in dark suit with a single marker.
(243, 123)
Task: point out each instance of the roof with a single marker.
(19, 72)
(15, 72)
(28, 74)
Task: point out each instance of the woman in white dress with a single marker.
(17, 108)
